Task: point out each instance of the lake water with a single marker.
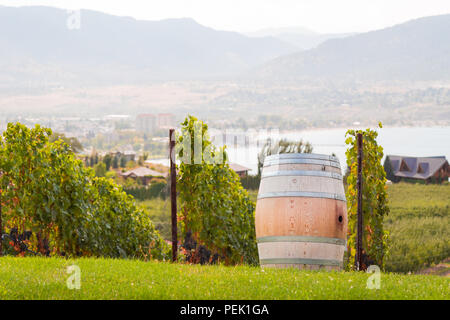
(406, 141)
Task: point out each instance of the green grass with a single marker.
(419, 224)
(253, 194)
(45, 278)
(409, 196)
(159, 213)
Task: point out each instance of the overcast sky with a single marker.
(324, 16)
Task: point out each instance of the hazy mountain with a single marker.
(37, 45)
(415, 50)
(300, 37)
(272, 32)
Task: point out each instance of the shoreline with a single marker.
(363, 128)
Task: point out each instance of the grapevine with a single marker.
(215, 208)
(375, 203)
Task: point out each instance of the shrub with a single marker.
(47, 191)
(251, 182)
(100, 169)
(389, 170)
(154, 190)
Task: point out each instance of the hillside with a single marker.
(415, 50)
(36, 45)
(302, 38)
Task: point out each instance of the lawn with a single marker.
(45, 278)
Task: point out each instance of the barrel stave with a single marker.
(297, 216)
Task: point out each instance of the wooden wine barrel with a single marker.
(301, 213)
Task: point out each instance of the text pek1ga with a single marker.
(229, 309)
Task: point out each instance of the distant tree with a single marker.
(130, 164)
(122, 124)
(282, 146)
(123, 162)
(241, 123)
(111, 175)
(262, 120)
(160, 133)
(107, 159)
(115, 162)
(137, 147)
(142, 158)
(100, 169)
(389, 170)
(73, 142)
